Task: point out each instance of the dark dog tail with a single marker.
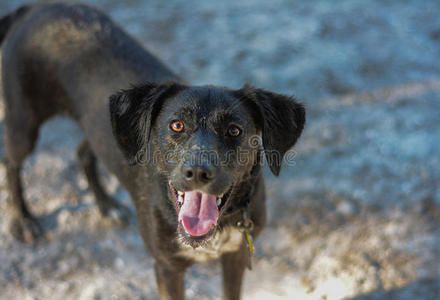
(7, 21)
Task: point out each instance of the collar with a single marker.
(240, 218)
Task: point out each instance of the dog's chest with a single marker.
(228, 240)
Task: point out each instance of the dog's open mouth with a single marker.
(198, 212)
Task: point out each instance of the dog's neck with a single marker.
(243, 194)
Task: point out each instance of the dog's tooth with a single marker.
(180, 198)
(219, 201)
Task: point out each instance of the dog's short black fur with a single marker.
(188, 156)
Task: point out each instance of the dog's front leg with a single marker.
(234, 265)
(170, 282)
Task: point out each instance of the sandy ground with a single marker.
(356, 216)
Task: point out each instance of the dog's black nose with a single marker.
(198, 173)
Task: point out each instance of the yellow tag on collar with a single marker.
(249, 240)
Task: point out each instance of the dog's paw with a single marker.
(26, 229)
(115, 211)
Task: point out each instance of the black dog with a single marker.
(192, 156)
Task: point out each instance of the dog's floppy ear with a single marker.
(280, 118)
(133, 112)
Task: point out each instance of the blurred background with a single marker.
(355, 217)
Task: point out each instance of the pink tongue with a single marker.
(198, 213)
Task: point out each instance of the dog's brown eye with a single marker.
(177, 126)
(234, 130)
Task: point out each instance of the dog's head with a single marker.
(204, 141)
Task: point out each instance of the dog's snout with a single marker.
(198, 173)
